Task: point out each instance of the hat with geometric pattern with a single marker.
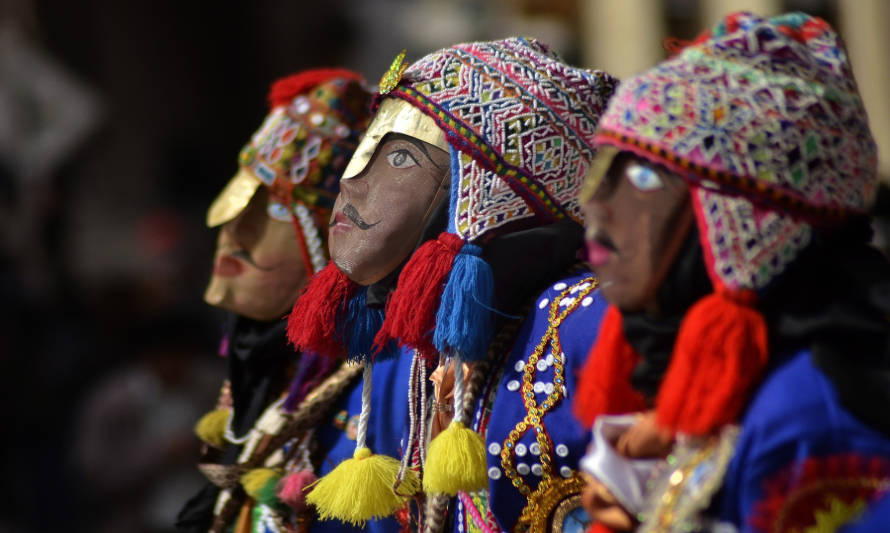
(763, 118)
(315, 121)
(519, 125)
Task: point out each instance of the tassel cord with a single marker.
(423, 411)
(459, 411)
(230, 432)
(362, 435)
(412, 422)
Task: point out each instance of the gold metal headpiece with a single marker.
(233, 198)
(394, 116)
(605, 154)
(390, 80)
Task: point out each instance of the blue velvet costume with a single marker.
(798, 450)
(504, 503)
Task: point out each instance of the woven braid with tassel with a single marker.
(307, 415)
(436, 506)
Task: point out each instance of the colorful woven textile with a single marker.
(304, 144)
(764, 119)
(520, 123)
(298, 154)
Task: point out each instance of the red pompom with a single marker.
(411, 311)
(719, 356)
(286, 89)
(312, 324)
(604, 384)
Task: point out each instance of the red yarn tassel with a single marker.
(411, 311)
(720, 355)
(312, 323)
(604, 384)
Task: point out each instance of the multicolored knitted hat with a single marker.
(519, 125)
(763, 119)
(315, 121)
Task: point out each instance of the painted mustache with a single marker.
(244, 255)
(352, 214)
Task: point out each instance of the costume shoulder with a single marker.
(532, 456)
(802, 459)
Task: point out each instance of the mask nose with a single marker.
(596, 213)
(353, 188)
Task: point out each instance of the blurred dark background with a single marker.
(119, 123)
(107, 347)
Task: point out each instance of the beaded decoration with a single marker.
(552, 489)
(764, 119)
(686, 481)
(308, 142)
(298, 154)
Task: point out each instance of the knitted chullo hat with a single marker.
(313, 127)
(763, 119)
(519, 125)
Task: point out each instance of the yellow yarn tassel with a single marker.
(361, 489)
(212, 427)
(260, 483)
(456, 462)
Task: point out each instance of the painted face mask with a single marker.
(273, 237)
(389, 190)
(636, 222)
(257, 269)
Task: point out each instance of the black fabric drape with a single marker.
(258, 362)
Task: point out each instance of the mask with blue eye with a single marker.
(278, 211)
(643, 178)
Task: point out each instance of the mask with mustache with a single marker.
(352, 214)
(381, 211)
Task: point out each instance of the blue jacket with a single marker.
(569, 439)
(801, 456)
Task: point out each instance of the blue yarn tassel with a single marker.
(464, 319)
(358, 326)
